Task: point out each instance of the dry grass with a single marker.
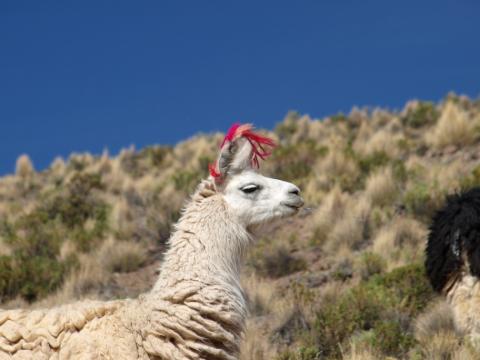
(357, 352)
(5, 249)
(261, 295)
(268, 311)
(255, 344)
(438, 337)
(373, 138)
(331, 209)
(381, 118)
(84, 282)
(336, 169)
(68, 249)
(24, 167)
(314, 191)
(381, 188)
(440, 346)
(438, 318)
(274, 259)
(337, 164)
(466, 352)
(58, 166)
(454, 127)
(400, 242)
(352, 229)
(446, 177)
(121, 256)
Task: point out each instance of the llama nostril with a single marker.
(295, 191)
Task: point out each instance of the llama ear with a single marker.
(235, 157)
(239, 151)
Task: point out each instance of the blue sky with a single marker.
(88, 75)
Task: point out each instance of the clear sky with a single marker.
(87, 75)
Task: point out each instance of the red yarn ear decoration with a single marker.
(232, 133)
(213, 171)
(259, 145)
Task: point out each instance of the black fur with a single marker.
(454, 236)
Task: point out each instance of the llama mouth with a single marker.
(294, 206)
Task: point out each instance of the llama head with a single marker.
(254, 199)
(453, 241)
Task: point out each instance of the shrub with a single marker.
(288, 127)
(416, 198)
(408, 285)
(155, 154)
(85, 215)
(471, 180)
(77, 204)
(370, 162)
(420, 114)
(343, 270)
(185, 180)
(382, 305)
(339, 117)
(33, 270)
(34, 234)
(301, 293)
(295, 162)
(78, 162)
(130, 162)
(421, 200)
(400, 172)
(303, 353)
(366, 163)
(8, 283)
(36, 277)
(391, 338)
(275, 261)
(370, 264)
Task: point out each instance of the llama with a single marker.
(453, 258)
(196, 309)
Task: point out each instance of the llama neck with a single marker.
(464, 297)
(197, 308)
(207, 244)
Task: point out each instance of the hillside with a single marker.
(343, 279)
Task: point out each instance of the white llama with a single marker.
(196, 310)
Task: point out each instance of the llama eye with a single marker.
(250, 189)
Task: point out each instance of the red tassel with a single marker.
(213, 170)
(259, 144)
(231, 134)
